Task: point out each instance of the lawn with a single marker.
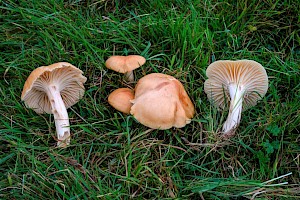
(111, 155)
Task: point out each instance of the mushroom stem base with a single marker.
(61, 117)
(234, 116)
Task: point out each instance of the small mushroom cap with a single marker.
(161, 102)
(123, 64)
(67, 77)
(120, 99)
(247, 74)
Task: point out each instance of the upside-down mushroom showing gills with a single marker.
(238, 83)
(52, 89)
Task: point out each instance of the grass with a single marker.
(111, 155)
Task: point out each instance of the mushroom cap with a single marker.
(67, 77)
(120, 99)
(123, 64)
(161, 102)
(247, 74)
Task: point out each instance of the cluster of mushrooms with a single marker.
(158, 101)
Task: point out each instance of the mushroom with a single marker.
(125, 64)
(241, 82)
(120, 99)
(52, 89)
(161, 102)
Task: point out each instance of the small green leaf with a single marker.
(275, 144)
(268, 147)
(274, 129)
(252, 28)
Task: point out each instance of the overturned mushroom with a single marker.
(125, 64)
(120, 99)
(161, 102)
(241, 82)
(52, 89)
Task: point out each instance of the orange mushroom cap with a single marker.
(124, 64)
(161, 102)
(120, 99)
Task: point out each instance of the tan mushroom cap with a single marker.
(161, 102)
(70, 81)
(120, 99)
(124, 64)
(245, 73)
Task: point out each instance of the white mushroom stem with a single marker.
(236, 93)
(60, 116)
(129, 76)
